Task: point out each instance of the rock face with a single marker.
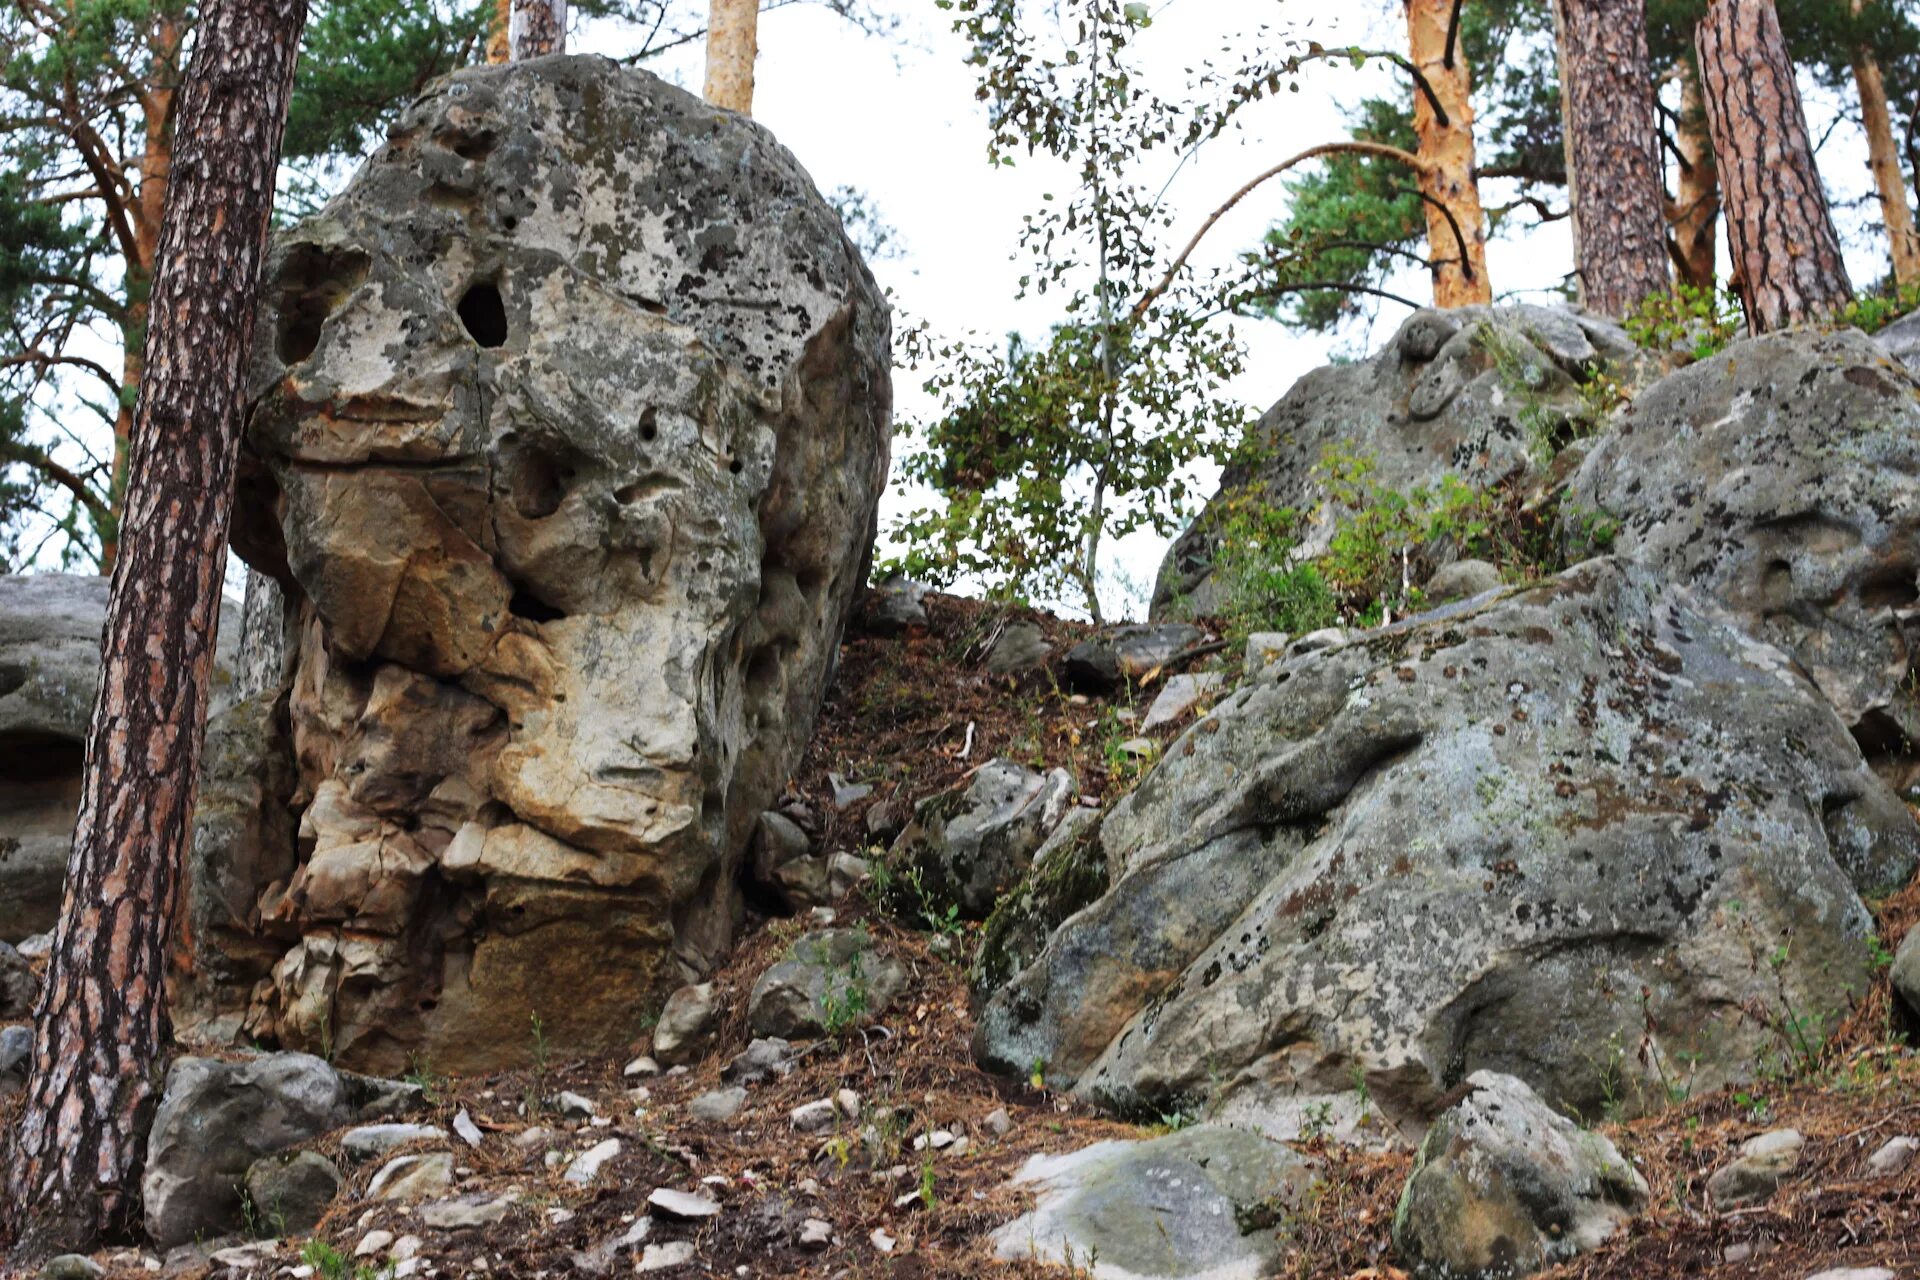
(1200, 1204)
(969, 847)
(1503, 1186)
(1475, 391)
(1468, 842)
(571, 418)
(1783, 477)
(50, 627)
(833, 980)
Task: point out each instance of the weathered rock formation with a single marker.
(1783, 478)
(1482, 392)
(50, 627)
(1521, 834)
(571, 416)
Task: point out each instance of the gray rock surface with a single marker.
(1201, 1204)
(1455, 391)
(968, 847)
(894, 608)
(16, 1055)
(19, 986)
(1102, 663)
(1782, 477)
(1503, 1186)
(371, 1141)
(50, 625)
(1069, 872)
(1905, 975)
(215, 1119)
(1420, 853)
(833, 979)
(289, 1196)
(1901, 340)
(1461, 580)
(570, 418)
(1020, 646)
(1756, 1173)
(687, 1024)
(717, 1106)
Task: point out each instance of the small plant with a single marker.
(927, 1197)
(330, 1263)
(1872, 312)
(1037, 1073)
(1879, 956)
(1174, 1121)
(1317, 1122)
(1692, 321)
(845, 1001)
(420, 1074)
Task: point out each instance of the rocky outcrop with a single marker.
(1483, 393)
(571, 415)
(1782, 477)
(965, 848)
(1504, 835)
(1503, 1186)
(50, 627)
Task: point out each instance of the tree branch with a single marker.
(38, 460)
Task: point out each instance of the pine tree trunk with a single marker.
(102, 1027)
(1456, 225)
(1786, 254)
(1613, 153)
(1694, 214)
(1883, 156)
(500, 33)
(537, 28)
(732, 44)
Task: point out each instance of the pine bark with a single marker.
(102, 1028)
(537, 28)
(1443, 123)
(1694, 213)
(1613, 153)
(1883, 157)
(1786, 254)
(500, 33)
(732, 44)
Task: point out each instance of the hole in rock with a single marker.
(1892, 587)
(524, 604)
(314, 281)
(538, 484)
(485, 314)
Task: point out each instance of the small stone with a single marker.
(686, 1025)
(574, 1107)
(587, 1165)
(405, 1247)
(412, 1178)
(881, 1240)
(1893, 1157)
(717, 1106)
(373, 1242)
(467, 1211)
(684, 1205)
(71, 1266)
(246, 1257)
(764, 1057)
(999, 1123)
(641, 1068)
(1021, 646)
(37, 947)
(960, 1146)
(1141, 748)
(1462, 580)
(532, 1139)
(291, 1195)
(847, 1103)
(1763, 1164)
(846, 793)
(371, 1141)
(822, 916)
(663, 1257)
(1855, 1273)
(813, 1117)
(846, 872)
(1180, 696)
(464, 1126)
(816, 1234)
(1264, 649)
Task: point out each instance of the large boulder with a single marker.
(964, 849)
(1519, 834)
(1783, 478)
(571, 416)
(50, 627)
(1482, 393)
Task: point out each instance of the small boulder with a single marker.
(967, 848)
(1906, 974)
(71, 1266)
(371, 1141)
(686, 1025)
(1180, 696)
(1503, 1186)
(1020, 646)
(833, 980)
(717, 1106)
(1893, 1157)
(687, 1206)
(1102, 663)
(1462, 580)
(814, 1117)
(894, 607)
(19, 984)
(479, 1210)
(411, 1179)
(1264, 648)
(667, 1255)
(1186, 1205)
(290, 1196)
(1762, 1165)
(584, 1168)
(762, 1058)
(16, 1055)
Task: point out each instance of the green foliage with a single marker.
(1694, 322)
(845, 1002)
(1258, 584)
(330, 1263)
(1871, 312)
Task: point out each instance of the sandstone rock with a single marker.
(411, 1179)
(717, 1106)
(834, 979)
(970, 847)
(1462, 580)
(894, 607)
(1504, 1186)
(1762, 1165)
(1183, 1206)
(478, 1210)
(1475, 392)
(290, 1196)
(1782, 477)
(1020, 646)
(584, 1168)
(371, 1141)
(569, 422)
(1102, 663)
(1420, 853)
(1181, 694)
(686, 1026)
(50, 625)
(688, 1206)
(214, 1120)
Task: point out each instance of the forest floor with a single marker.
(913, 716)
